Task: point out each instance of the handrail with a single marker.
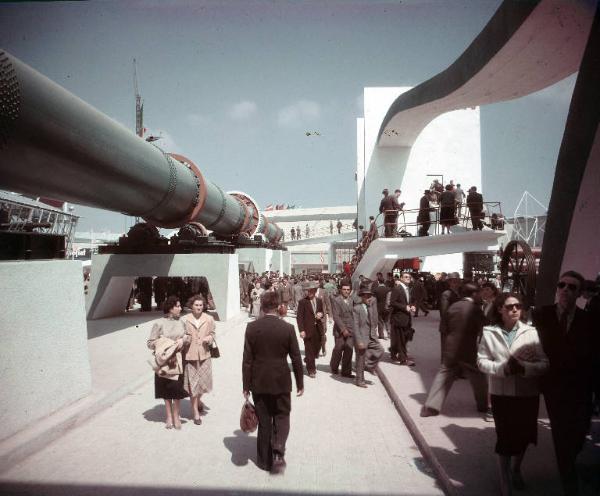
(404, 226)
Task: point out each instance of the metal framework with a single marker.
(529, 220)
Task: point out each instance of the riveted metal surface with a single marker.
(10, 98)
(222, 211)
(170, 188)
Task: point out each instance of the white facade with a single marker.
(449, 146)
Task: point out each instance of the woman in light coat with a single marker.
(511, 355)
(200, 332)
(169, 389)
(255, 297)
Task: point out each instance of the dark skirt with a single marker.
(447, 215)
(516, 422)
(169, 389)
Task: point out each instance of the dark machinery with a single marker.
(518, 270)
(54, 144)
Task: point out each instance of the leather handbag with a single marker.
(214, 350)
(248, 417)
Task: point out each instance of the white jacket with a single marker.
(493, 354)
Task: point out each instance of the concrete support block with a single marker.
(261, 258)
(44, 362)
(113, 275)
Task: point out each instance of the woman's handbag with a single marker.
(248, 417)
(214, 350)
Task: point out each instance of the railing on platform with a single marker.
(408, 224)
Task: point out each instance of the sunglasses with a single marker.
(563, 285)
(513, 306)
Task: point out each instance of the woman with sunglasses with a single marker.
(511, 355)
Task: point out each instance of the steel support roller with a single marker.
(54, 144)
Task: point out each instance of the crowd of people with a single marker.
(508, 353)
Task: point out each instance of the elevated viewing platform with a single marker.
(383, 253)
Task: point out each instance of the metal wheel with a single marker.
(518, 271)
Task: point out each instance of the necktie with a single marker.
(563, 323)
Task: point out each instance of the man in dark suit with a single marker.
(400, 319)
(424, 216)
(566, 336)
(464, 321)
(343, 323)
(311, 325)
(265, 371)
(389, 208)
(475, 204)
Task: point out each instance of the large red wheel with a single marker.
(518, 271)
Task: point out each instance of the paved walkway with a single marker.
(461, 441)
(343, 440)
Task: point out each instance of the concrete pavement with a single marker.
(458, 441)
(343, 440)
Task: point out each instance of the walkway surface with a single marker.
(461, 441)
(343, 440)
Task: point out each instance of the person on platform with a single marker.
(339, 226)
(424, 215)
(255, 296)
(389, 208)
(169, 387)
(475, 205)
(311, 325)
(343, 323)
(366, 344)
(293, 233)
(265, 372)
(447, 209)
(511, 355)
(566, 334)
(459, 198)
(400, 319)
(447, 298)
(464, 321)
(372, 234)
(298, 232)
(380, 292)
(200, 333)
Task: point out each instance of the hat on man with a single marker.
(310, 285)
(473, 188)
(453, 275)
(365, 288)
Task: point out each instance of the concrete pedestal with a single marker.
(44, 362)
(113, 275)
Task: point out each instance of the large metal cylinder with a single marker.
(54, 144)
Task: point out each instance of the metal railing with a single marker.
(407, 224)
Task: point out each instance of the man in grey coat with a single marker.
(368, 349)
(464, 321)
(343, 323)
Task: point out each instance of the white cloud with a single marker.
(301, 112)
(242, 110)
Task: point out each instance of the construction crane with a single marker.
(139, 106)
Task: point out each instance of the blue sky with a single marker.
(235, 85)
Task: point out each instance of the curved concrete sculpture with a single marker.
(54, 144)
(525, 47)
